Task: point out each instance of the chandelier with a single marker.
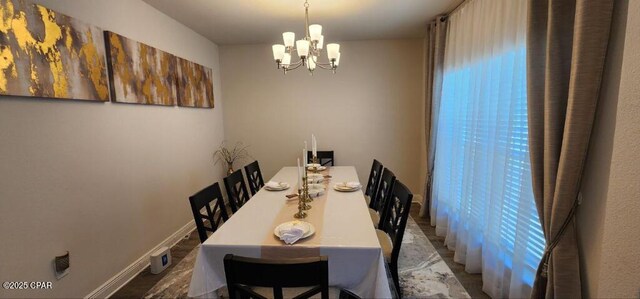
(308, 49)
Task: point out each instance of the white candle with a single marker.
(304, 159)
(314, 145)
(299, 175)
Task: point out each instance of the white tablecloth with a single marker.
(344, 233)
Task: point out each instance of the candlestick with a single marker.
(305, 193)
(301, 213)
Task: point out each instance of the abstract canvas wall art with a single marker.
(139, 73)
(47, 54)
(195, 85)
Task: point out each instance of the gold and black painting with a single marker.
(47, 54)
(139, 73)
(195, 85)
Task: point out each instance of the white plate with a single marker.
(316, 186)
(342, 188)
(283, 186)
(309, 165)
(309, 229)
(316, 192)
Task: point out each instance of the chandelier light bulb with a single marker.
(320, 42)
(315, 31)
(303, 47)
(278, 52)
(289, 38)
(337, 62)
(332, 51)
(286, 60)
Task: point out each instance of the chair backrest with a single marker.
(236, 190)
(394, 221)
(374, 179)
(325, 158)
(242, 273)
(254, 177)
(211, 199)
(383, 191)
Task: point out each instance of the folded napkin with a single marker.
(274, 185)
(292, 233)
(349, 185)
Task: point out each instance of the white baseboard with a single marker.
(116, 282)
(417, 198)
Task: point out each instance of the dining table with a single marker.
(343, 232)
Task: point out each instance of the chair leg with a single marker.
(396, 280)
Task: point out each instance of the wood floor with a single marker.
(142, 283)
(138, 286)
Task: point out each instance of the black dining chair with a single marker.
(245, 276)
(325, 158)
(379, 201)
(236, 190)
(391, 228)
(374, 180)
(254, 177)
(211, 199)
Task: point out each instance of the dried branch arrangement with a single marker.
(230, 155)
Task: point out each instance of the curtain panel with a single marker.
(566, 45)
(482, 198)
(434, 61)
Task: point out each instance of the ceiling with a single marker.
(262, 21)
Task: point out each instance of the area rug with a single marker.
(423, 273)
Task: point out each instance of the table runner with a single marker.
(272, 248)
(343, 233)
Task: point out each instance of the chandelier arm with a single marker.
(318, 63)
(295, 67)
(325, 67)
(321, 64)
(297, 63)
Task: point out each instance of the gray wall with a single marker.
(608, 216)
(107, 182)
(371, 108)
(620, 260)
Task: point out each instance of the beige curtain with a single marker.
(434, 61)
(566, 47)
